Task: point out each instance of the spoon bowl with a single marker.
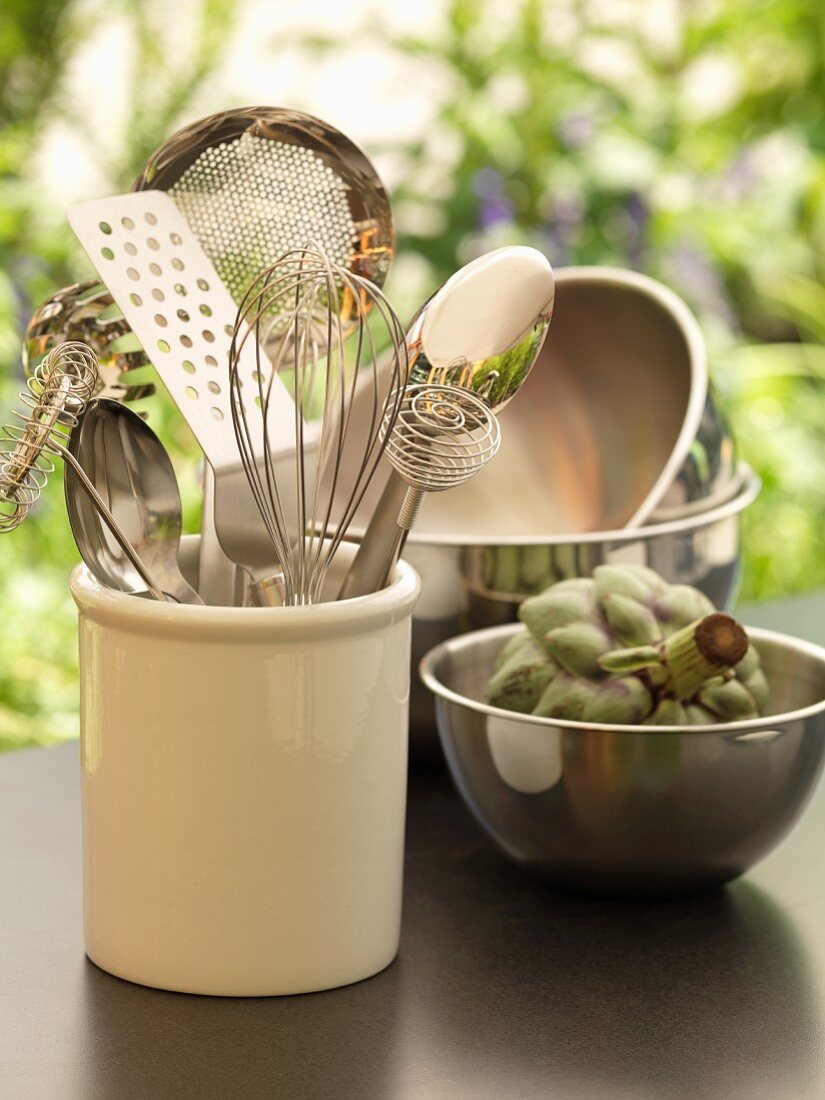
(131, 470)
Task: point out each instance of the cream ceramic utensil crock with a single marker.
(244, 780)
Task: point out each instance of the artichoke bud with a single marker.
(577, 647)
(679, 606)
(757, 685)
(669, 712)
(521, 643)
(519, 683)
(749, 663)
(730, 701)
(625, 647)
(624, 701)
(630, 620)
(648, 577)
(575, 584)
(541, 614)
(657, 675)
(619, 580)
(565, 697)
(699, 716)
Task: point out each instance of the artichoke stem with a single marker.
(701, 650)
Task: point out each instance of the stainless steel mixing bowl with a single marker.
(616, 423)
(628, 810)
(478, 582)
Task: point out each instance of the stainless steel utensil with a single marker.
(625, 809)
(57, 394)
(131, 471)
(253, 183)
(315, 317)
(87, 312)
(177, 305)
(441, 437)
(482, 331)
(634, 425)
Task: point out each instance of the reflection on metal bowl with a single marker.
(629, 810)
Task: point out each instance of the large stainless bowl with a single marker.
(616, 423)
(625, 809)
(474, 582)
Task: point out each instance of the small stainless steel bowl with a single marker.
(476, 582)
(628, 810)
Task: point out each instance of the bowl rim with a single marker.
(751, 486)
(686, 322)
(430, 661)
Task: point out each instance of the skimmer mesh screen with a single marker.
(251, 199)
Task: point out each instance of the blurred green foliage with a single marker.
(683, 139)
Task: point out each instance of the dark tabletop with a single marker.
(503, 989)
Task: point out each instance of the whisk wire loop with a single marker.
(322, 325)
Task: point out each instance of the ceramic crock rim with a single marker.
(358, 615)
(430, 661)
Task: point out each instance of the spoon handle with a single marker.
(112, 524)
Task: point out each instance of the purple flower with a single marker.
(692, 271)
(561, 228)
(494, 208)
(576, 129)
(638, 217)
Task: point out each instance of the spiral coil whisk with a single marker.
(55, 397)
(440, 437)
(323, 327)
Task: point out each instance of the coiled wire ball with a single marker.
(442, 436)
(54, 400)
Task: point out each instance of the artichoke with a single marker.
(626, 647)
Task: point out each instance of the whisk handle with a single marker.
(111, 522)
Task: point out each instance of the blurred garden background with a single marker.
(683, 138)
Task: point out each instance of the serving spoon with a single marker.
(129, 467)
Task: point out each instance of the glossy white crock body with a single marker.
(244, 778)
